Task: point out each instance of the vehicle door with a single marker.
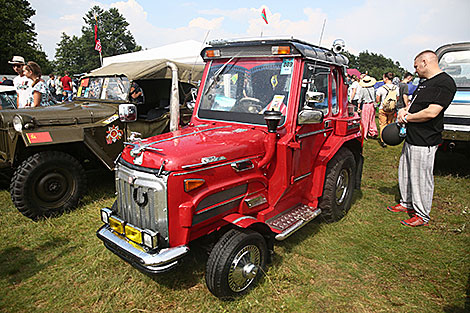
(311, 137)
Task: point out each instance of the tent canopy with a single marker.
(184, 52)
(150, 69)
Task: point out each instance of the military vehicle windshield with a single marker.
(457, 65)
(242, 90)
(105, 88)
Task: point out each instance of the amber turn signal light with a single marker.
(191, 184)
(280, 50)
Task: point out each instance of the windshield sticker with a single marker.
(222, 103)
(449, 58)
(235, 78)
(277, 104)
(113, 134)
(110, 119)
(274, 81)
(287, 65)
(85, 82)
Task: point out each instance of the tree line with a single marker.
(77, 54)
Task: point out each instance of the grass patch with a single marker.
(367, 262)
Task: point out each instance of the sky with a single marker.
(398, 29)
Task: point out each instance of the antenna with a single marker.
(195, 60)
(322, 30)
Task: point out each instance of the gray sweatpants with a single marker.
(415, 178)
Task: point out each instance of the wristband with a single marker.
(404, 118)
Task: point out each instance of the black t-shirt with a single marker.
(403, 89)
(440, 90)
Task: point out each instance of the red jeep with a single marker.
(231, 177)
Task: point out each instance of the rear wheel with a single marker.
(339, 186)
(46, 184)
(236, 263)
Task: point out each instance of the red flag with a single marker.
(39, 137)
(263, 15)
(98, 46)
(97, 40)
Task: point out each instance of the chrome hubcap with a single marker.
(342, 186)
(244, 268)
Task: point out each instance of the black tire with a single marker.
(46, 184)
(236, 263)
(338, 189)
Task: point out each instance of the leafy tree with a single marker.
(78, 54)
(18, 36)
(375, 64)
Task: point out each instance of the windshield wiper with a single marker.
(217, 73)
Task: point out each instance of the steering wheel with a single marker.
(249, 105)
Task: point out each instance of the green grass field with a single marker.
(367, 262)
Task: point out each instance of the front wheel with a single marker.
(339, 186)
(46, 184)
(236, 263)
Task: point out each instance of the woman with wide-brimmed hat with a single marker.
(367, 103)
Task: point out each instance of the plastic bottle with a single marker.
(402, 132)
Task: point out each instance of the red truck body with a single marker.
(227, 174)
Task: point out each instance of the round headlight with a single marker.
(18, 123)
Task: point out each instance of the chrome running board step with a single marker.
(292, 220)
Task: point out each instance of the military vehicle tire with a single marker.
(338, 189)
(46, 184)
(236, 263)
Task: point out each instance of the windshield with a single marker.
(242, 90)
(8, 100)
(106, 88)
(457, 65)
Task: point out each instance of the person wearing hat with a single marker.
(367, 106)
(21, 83)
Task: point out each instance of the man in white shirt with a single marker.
(21, 83)
(386, 116)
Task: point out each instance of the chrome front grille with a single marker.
(142, 200)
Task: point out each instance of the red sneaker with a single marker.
(399, 208)
(415, 221)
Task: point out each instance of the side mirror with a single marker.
(312, 97)
(310, 116)
(127, 112)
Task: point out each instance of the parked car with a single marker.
(454, 59)
(271, 145)
(8, 97)
(50, 148)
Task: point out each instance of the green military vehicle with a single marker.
(49, 148)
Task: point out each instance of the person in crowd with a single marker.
(6, 81)
(354, 92)
(66, 86)
(39, 95)
(387, 95)
(51, 84)
(367, 106)
(424, 119)
(58, 89)
(21, 83)
(136, 94)
(403, 99)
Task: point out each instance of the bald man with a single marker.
(424, 119)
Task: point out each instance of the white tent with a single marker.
(184, 52)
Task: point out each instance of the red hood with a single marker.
(190, 147)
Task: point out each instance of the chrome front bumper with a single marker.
(161, 261)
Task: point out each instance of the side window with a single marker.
(334, 93)
(315, 78)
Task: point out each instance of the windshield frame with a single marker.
(252, 65)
